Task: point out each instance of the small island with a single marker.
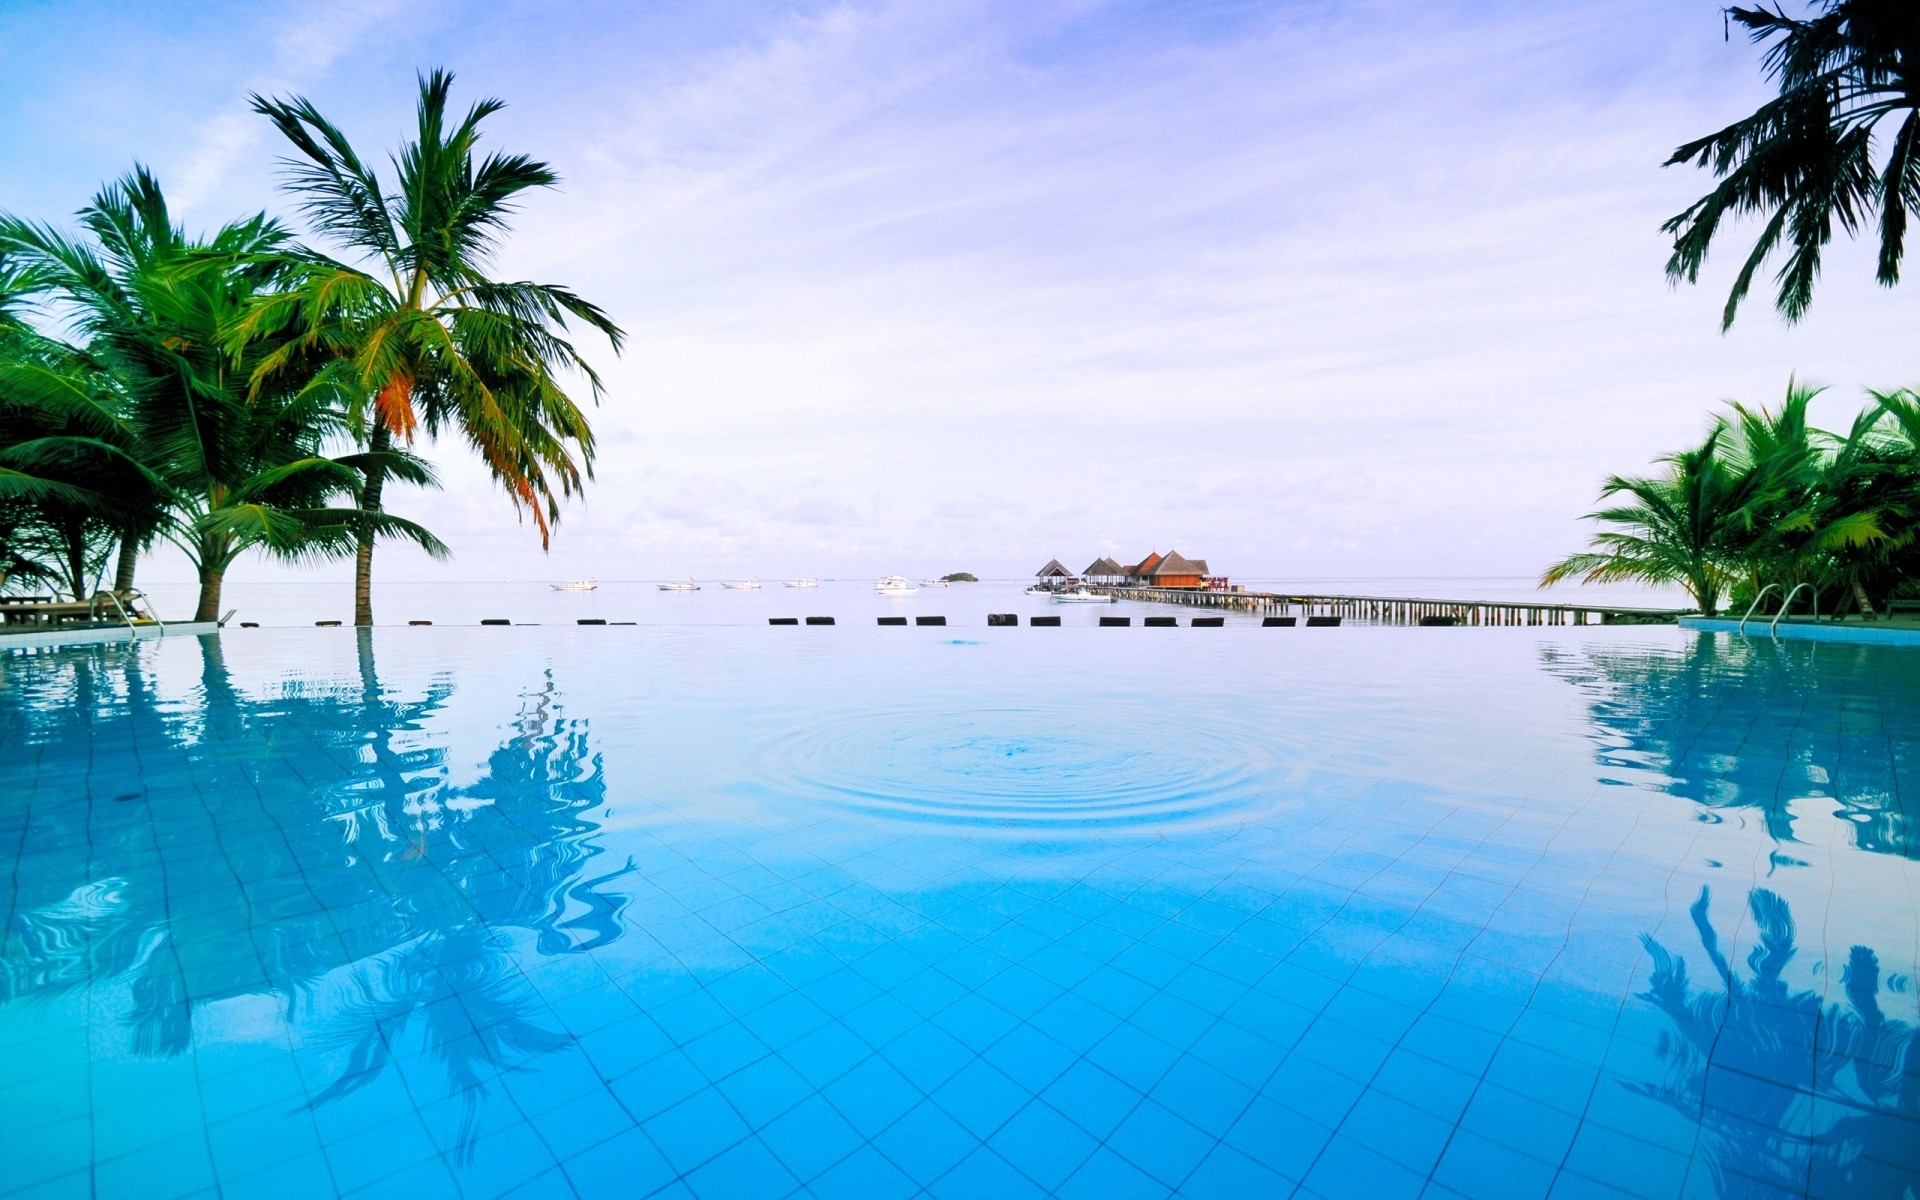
(960, 577)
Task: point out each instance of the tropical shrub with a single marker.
(1767, 499)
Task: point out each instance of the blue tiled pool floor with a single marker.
(632, 913)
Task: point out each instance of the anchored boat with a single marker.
(895, 585)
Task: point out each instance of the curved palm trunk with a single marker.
(382, 439)
(123, 568)
(210, 580)
(75, 548)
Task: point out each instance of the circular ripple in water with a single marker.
(1022, 768)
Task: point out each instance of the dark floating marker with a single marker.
(1439, 620)
(893, 620)
(495, 621)
(328, 624)
(1277, 622)
(783, 620)
(1003, 618)
(1160, 622)
(1046, 621)
(249, 624)
(819, 620)
(1117, 622)
(419, 622)
(1209, 622)
(929, 620)
(590, 621)
(1322, 622)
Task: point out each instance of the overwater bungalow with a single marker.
(1137, 573)
(1105, 571)
(1053, 572)
(1174, 570)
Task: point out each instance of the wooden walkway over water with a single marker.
(1391, 610)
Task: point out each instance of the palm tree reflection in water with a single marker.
(501, 853)
(307, 843)
(1752, 725)
(1791, 1093)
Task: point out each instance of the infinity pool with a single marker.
(869, 913)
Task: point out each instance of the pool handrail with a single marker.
(1773, 630)
(1756, 604)
(125, 616)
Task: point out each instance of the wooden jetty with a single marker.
(1391, 610)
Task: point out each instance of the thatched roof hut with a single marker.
(1104, 568)
(1176, 570)
(1053, 570)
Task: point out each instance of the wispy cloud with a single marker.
(1312, 289)
(303, 51)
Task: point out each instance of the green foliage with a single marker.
(961, 577)
(242, 391)
(1768, 499)
(150, 425)
(429, 338)
(1807, 160)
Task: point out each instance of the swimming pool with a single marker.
(855, 912)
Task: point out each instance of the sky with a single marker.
(1308, 289)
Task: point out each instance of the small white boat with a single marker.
(815, 582)
(1038, 590)
(895, 585)
(933, 583)
(575, 585)
(688, 586)
(742, 585)
(1082, 596)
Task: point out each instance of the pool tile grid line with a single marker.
(1356, 901)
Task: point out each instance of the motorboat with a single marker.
(688, 586)
(815, 582)
(934, 583)
(895, 585)
(742, 585)
(575, 585)
(1083, 596)
(1038, 589)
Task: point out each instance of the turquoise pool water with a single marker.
(754, 912)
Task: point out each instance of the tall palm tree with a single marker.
(433, 341)
(1805, 160)
(237, 466)
(1675, 527)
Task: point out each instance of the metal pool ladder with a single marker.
(1773, 627)
(93, 609)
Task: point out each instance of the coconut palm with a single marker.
(67, 461)
(433, 341)
(1806, 159)
(1671, 528)
(236, 466)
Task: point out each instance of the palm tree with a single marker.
(236, 466)
(1675, 527)
(1806, 159)
(431, 339)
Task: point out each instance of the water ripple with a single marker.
(1126, 767)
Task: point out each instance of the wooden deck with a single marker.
(1397, 610)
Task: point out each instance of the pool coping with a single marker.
(1806, 631)
(119, 633)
